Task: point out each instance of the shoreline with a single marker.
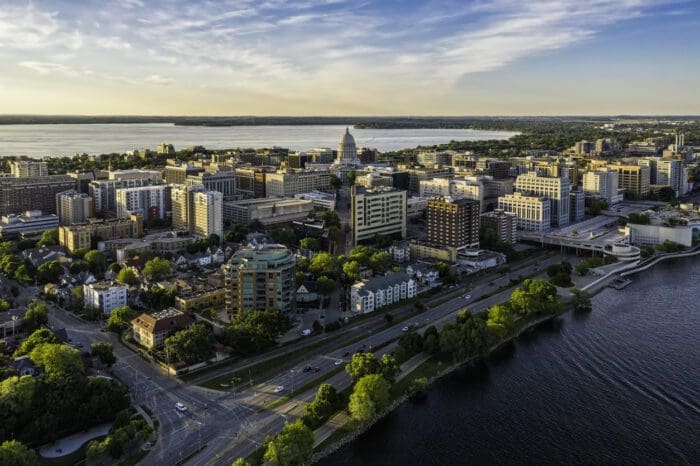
(596, 287)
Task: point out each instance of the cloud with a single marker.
(159, 80)
(114, 43)
(49, 68)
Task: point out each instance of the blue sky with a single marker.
(337, 57)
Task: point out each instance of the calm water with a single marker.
(54, 140)
(618, 386)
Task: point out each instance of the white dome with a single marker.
(347, 138)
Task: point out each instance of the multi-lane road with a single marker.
(220, 426)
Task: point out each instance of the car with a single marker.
(78, 345)
(405, 329)
(180, 407)
(307, 369)
(315, 369)
(346, 354)
(279, 389)
(338, 362)
(323, 316)
(468, 296)
(306, 332)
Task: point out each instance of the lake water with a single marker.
(617, 386)
(61, 140)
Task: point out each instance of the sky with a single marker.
(355, 57)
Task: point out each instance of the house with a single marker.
(473, 260)
(24, 366)
(400, 251)
(105, 296)
(368, 295)
(151, 330)
(424, 273)
(307, 292)
(43, 254)
(11, 321)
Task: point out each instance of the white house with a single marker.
(105, 296)
(423, 273)
(368, 295)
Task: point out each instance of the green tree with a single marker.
(409, 345)
(361, 254)
(336, 183)
(535, 297)
(58, 361)
(369, 397)
(4, 305)
(240, 462)
(49, 272)
(500, 320)
(325, 285)
(323, 405)
(450, 342)
(381, 261)
(352, 270)
(42, 335)
(191, 345)
(120, 318)
(105, 352)
(363, 364)
(14, 453)
(127, 276)
(37, 315)
(323, 264)
(352, 176)
(390, 367)
(417, 386)
(97, 261)
(293, 446)
(18, 392)
(156, 268)
(78, 266)
(49, 238)
(581, 300)
(310, 243)
(158, 298)
(79, 253)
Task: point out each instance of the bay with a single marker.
(68, 139)
(619, 385)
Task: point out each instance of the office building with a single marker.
(32, 193)
(321, 155)
(151, 202)
(432, 158)
(669, 172)
(33, 221)
(105, 296)
(577, 205)
(104, 192)
(177, 174)
(380, 211)
(377, 292)
(165, 149)
(267, 211)
(250, 181)
(470, 188)
(634, 180)
(221, 181)
(504, 225)
(261, 278)
(533, 212)
(453, 222)
(555, 189)
(28, 168)
(416, 175)
(497, 169)
(74, 207)
(288, 183)
(320, 199)
(603, 184)
(81, 236)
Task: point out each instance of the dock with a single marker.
(620, 283)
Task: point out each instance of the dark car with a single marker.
(316, 369)
(346, 354)
(307, 369)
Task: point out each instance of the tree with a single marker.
(500, 320)
(58, 361)
(352, 270)
(582, 269)
(310, 243)
(389, 318)
(37, 315)
(43, 335)
(79, 253)
(450, 341)
(240, 462)
(120, 317)
(390, 368)
(78, 266)
(293, 446)
(18, 392)
(369, 397)
(4, 305)
(336, 183)
(127, 276)
(323, 264)
(535, 297)
(325, 285)
(97, 261)
(409, 345)
(581, 300)
(361, 254)
(14, 453)
(323, 405)
(49, 271)
(156, 268)
(191, 345)
(381, 261)
(417, 386)
(158, 298)
(105, 352)
(49, 238)
(431, 344)
(363, 364)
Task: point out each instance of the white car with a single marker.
(180, 407)
(338, 362)
(405, 329)
(468, 296)
(279, 389)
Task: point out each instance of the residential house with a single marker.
(151, 330)
(368, 295)
(424, 273)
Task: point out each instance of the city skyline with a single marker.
(336, 57)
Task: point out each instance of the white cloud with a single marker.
(159, 80)
(114, 43)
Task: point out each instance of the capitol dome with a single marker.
(347, 139)
(347, 150)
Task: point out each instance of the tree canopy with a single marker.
(363, 364)
(191, 345)
(369, 397)
(14, 453)
(535, 297)
(120, 317)
(293, 446)
(127, 276)
(156, 268)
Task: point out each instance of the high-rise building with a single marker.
(431, 158)
(471, 188)
(104, 192)
(32, 193)
(261, 278)
(504, 224)
(556, 189)
(453, 222)
(223, 181)
(633, 179)
(250, 181)
(80, 236)
(152, 202)
(416, 175)
(177, 174)
(533, 212)
(379, 211)
(207, 214)
(669, 172)
(288, 183)
(73, 207)
(577, 205)
(268, 211)
(603, 184)
(651, 163)
(28, 168)
(498, 169)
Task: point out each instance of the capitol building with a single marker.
(346, 160)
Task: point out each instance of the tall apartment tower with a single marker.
(555, 189)
(378, 211)
(197, 210)
(453, 222)
(27, 168)
(73, 207)
(504, 224)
